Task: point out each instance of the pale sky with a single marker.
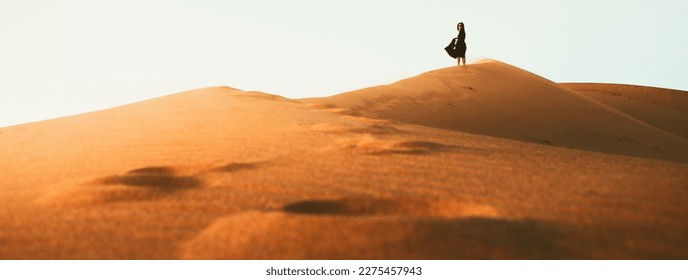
(64, 57)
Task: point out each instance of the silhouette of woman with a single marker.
(461, 44)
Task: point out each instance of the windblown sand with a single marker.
(486, 161)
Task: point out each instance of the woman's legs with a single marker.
(459, 59)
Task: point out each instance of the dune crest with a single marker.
(496, 99)
(665, 109)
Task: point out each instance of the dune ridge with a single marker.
(481, 162)
(496, 99)
(661, 108)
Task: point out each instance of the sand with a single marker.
(486, 161)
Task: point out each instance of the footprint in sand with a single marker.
(237, 166)
(159, 179)
(336, 109)
(377, 146)
(360, 125)
(372, 228)
(140, 184)
(404, 207)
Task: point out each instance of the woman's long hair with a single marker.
(463, 28)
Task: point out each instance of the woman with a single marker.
(461, 44)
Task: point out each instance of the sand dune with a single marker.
(662, 108)
(405, 171)
(496, 99)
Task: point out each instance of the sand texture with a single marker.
(486, 161)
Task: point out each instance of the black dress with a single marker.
(461, 44)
